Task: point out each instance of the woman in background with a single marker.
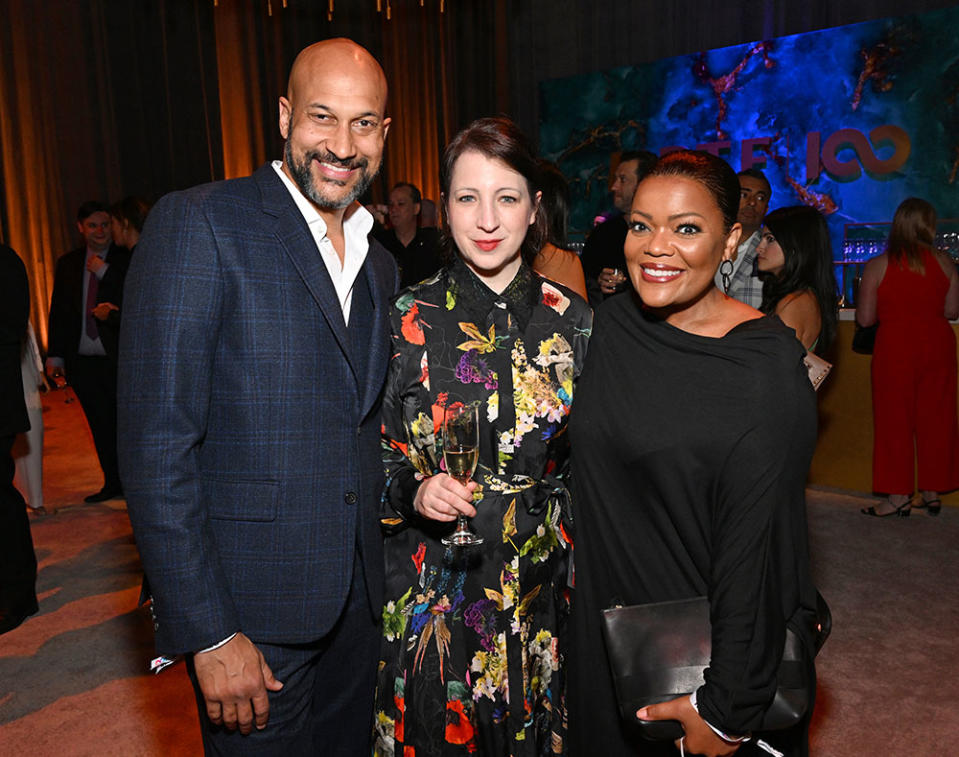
(794, 258)
(684, 484)
(126, 221)
(472, 652)
(553, 260)
(912, 291)
(28, 449)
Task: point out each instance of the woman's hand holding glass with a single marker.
(442, 497)
(612, 280)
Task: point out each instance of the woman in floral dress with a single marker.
(472, 657)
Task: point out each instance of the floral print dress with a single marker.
(472, 659)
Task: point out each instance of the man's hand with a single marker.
(442, 497)
(379, 212)
(234, 680)
(95, 263)
(612, 280)
(699, 738)
(103, 310)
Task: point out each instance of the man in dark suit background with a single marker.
(84, 278)
(604, 263)
(253, 353)
(18, 563)
(416, 249)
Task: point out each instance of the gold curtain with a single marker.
(97, 100)
(240, 90)
(39, 99)
(29, 175)
(415, 61)
(103, 99)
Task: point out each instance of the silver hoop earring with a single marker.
(726, 271)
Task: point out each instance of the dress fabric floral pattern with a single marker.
(472, 657)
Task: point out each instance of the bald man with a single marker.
(253, 354)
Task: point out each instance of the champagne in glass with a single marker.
(461, 462)
(461, 453)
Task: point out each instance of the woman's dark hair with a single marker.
(712, 172)
(913, 229)
(498, 139)
(555, 202)
(131, 209)
(803, 236)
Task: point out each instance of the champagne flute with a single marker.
(461, 453)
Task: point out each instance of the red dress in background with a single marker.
(914, 382)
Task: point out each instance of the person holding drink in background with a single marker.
(603, 261)
(471, 655)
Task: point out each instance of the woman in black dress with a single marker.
(694, 428)
(472, 661)
(794, 259)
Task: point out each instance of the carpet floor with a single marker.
(74, 678)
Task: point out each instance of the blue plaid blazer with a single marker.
(249, 417)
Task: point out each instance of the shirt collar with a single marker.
(356, 221)
(520, 295)
(751, 239)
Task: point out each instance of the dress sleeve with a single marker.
(759, 563)
(408, 432)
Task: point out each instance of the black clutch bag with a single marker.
(659, 651)
(864, 339)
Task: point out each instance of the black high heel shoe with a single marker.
(932, 506)
(902, 511)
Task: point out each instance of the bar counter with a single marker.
(843, 458)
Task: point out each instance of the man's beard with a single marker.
(304, 178)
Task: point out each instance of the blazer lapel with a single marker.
(297, 242)
(381, 278)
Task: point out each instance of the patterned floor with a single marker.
(74, 678)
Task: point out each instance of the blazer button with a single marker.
(350, 498)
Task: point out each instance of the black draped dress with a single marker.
(690, 456)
